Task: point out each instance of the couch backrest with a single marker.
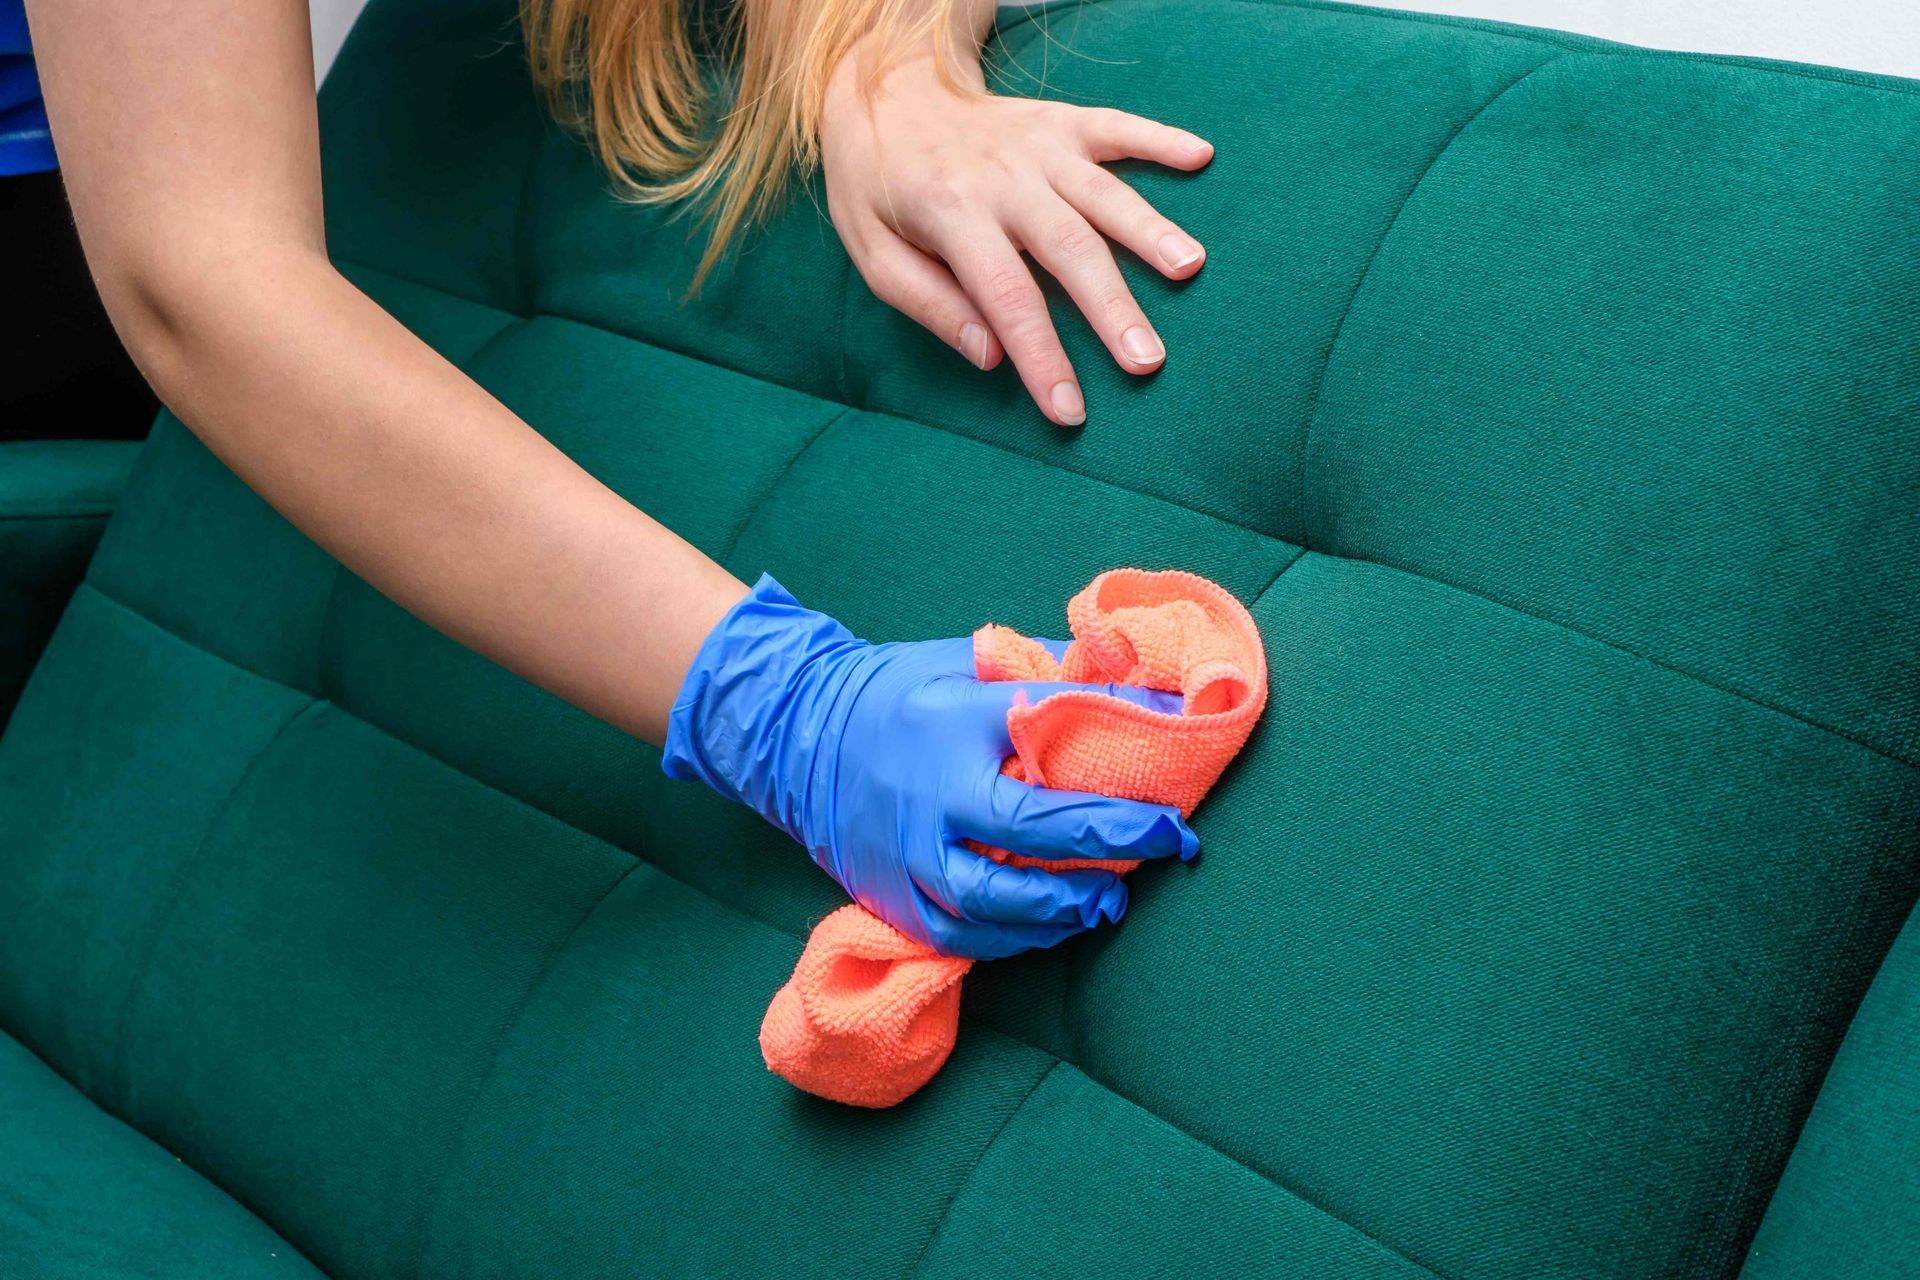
(1553, 405)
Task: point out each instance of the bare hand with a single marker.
(937, 193)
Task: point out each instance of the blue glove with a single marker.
(881, 758)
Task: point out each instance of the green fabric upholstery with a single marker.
(55, 497)
(82, 1195)
(1551, 403)
(1849, 1204)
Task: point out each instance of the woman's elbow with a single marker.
(171, 304)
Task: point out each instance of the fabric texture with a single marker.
(84, 1197)
(1849, 1203)
(55, 498)
(870, 1015)
(1554, 418)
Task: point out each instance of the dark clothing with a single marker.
(63, 371)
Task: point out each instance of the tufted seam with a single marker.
(452, 1140)
(1740, 695)
(1274, 581)
(482, 783)
(1076, 958)
(710, 363)
(1359, 284)
(1718, 686)
(197, 1172)
(1758, 700)
(753, 509)
(189, 868)
(959, 1188)
(1278, 1182)
(742, 913)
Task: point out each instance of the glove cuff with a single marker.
(733, 725)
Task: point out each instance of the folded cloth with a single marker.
(870, 1015)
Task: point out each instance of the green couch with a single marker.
(1554, 405)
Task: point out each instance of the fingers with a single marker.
(988, 267)
(1077, 256)
(1117, 210)
(976, 888)
(975, 907)
(1039, 822)
(1114, 135)
(925, 291)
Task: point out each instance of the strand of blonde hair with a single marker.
(629, 76)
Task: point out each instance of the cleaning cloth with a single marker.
(870, 1015)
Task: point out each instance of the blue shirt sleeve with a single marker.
(26, 144)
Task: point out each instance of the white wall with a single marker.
(1870, 35)
(1867, 35)
(331, 19)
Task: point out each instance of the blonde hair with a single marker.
(633, 76)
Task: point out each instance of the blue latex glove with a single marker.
(880, 759)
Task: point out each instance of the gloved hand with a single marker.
(880, 759)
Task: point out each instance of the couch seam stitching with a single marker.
(959, 1188)
(1710, 682)
(970, 1019)
(944, 430)
(523, 801)
(189, 870)
(1695, 677)
(1272, 1179)
(1752, 700)
(454, 1138)
(767, 491)
(1766, 703)
(1366, 273)
(158, 1145)
(1075, 961)
(1298, 555)
(684, 354)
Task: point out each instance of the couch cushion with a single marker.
(55, 497)
(1546, 401)
(1849, 1204)
(82, 1196)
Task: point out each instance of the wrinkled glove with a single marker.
(881, 759)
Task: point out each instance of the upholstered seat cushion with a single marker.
(83, 1195)
(1551, 404)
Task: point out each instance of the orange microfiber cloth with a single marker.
(870, 1015)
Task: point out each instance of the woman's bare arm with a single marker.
(189, 144)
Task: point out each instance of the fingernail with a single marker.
(1194, 145)
(1141, 346)
(1068, 407)
(1177, 251)
(973, 344)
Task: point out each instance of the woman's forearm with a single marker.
(189, 146)
(430, 489)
